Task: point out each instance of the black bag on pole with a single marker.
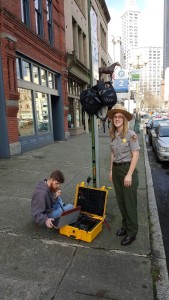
(90, 101)
(106, 93)
(98, 96)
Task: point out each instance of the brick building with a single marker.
(33, 75)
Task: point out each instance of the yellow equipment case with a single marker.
(93, 212)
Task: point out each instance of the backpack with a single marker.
(98, 96)
(106, 93)
(90, 101)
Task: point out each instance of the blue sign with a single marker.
(121, 85)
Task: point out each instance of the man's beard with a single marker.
(53, 189)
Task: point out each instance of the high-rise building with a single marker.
(150, 62)
(166, 37)
(166, 53)
(130, 27)
(147, 59)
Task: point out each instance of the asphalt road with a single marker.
(160, 176)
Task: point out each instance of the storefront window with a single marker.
(35, 74)
(70, 114)
(77, 113)
(26, 71)
(42, 112)
(50, 80)
(56, 82)
(25, 113)
(74, 114)
(43, 77)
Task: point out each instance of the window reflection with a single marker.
(50, 80)
(56, 82)
(26, 71)
(25, 114)
(70, 114)
(74, 114)
(42, 112)
(18, 68)
(43, 77)
(35, 74)
(77, 111)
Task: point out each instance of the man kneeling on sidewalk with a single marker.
(46, 202)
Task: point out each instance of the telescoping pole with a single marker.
(92, 124)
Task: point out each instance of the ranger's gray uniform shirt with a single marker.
(122, 148)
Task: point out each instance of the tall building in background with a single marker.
(166, 53)
(147, 59)
(117, 50)
(130, 28)
(166, 37)
(150, 58)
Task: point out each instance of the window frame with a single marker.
(39, 18)
(49, 21)
(25, 12)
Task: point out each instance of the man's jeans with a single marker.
(59, 207)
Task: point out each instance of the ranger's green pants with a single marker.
(126, 197)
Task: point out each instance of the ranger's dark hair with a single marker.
(57, 175)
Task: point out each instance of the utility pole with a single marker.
(93, 120)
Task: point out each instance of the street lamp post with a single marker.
(137, 119)
(138, 65)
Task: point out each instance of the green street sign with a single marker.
(135, 77)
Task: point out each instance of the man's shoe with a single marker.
(121, 232)
(128, 240)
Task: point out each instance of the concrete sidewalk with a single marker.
(39, 263)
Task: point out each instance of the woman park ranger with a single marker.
(123, 172)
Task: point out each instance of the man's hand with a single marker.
(58, 193)
(49, 223)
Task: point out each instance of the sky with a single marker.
(151, 21)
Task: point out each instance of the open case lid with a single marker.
(92, 200)
(67, 217)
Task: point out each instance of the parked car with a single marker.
(161, 142)
(153, 126)
(154, 133)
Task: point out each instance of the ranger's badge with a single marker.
(134, 138)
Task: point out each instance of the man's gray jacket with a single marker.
(41, 204)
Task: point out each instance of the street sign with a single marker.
(121, 73)
(121, 85)
(135, 77)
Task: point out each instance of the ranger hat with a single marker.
(118, 108)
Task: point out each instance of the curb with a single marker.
(162, 286)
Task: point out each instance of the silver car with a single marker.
(161, 142)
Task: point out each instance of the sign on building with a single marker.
(95, 51)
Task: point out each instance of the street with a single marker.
(160, 176)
